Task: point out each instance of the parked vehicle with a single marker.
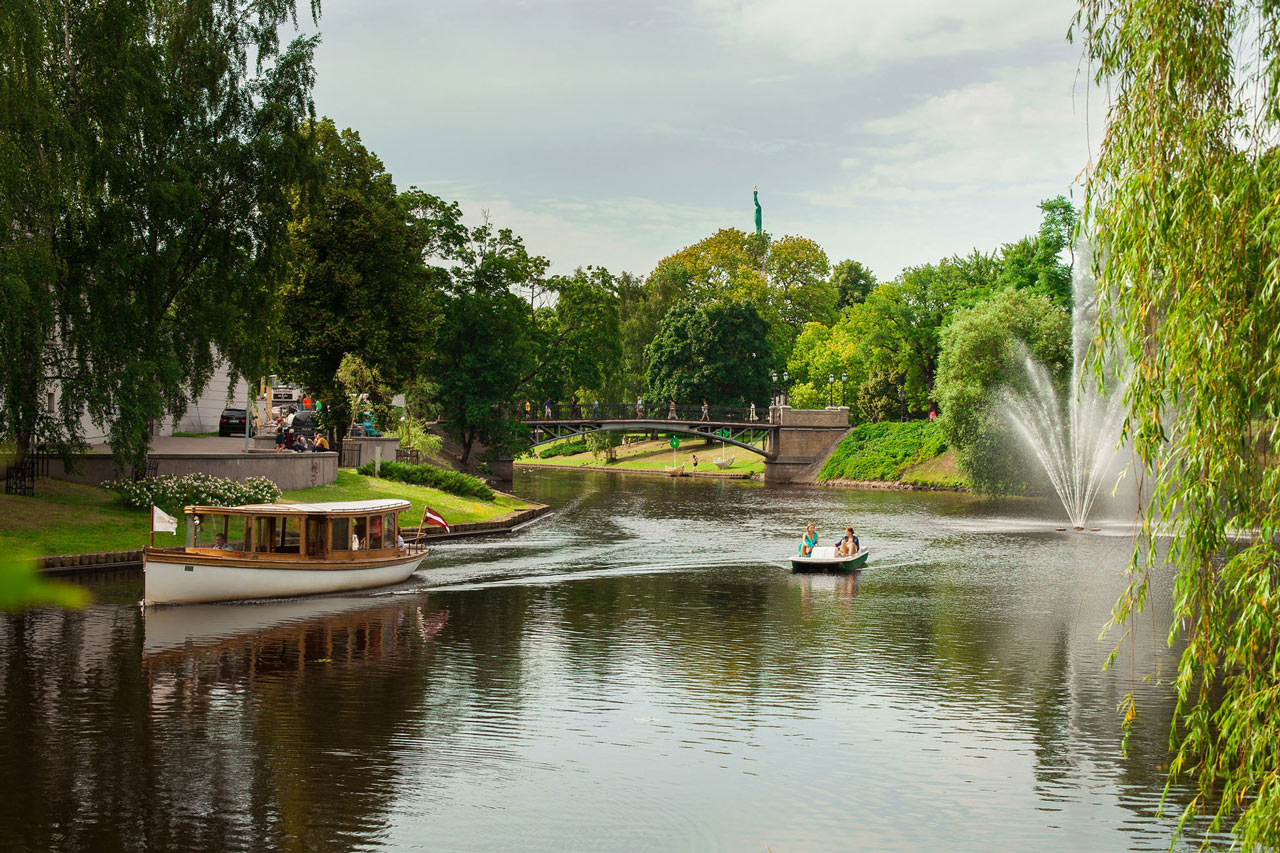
(305, 423)
(233, 421)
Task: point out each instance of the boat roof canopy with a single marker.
(329, 508)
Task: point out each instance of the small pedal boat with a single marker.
(824, 559)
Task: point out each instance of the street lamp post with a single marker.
(831, 387)
(844, 377)
(785, 378)
(773, 378)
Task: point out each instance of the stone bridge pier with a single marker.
(804, 437)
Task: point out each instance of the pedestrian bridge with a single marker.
(790, 440)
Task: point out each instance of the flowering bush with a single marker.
(172, 493)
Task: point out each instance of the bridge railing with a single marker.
(649, 411)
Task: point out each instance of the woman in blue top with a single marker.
(809, 542)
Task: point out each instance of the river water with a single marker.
(637, 671)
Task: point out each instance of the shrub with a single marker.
(171, 493)
(882, 451)
(453, 482)
(564, 448)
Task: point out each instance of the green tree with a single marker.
(358, 285)
(487, 346)
(579, 340)
(1183, 203)
(786, 280)
(982, 352)
(852, 283)
(719, 353)
(1035, 263)
(157, 152)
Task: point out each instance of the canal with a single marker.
(636, 671)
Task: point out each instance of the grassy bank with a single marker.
(70, 518)
(657, 455)
(914, 452)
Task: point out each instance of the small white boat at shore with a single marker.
(280, 550)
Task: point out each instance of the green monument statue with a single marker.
(755, 196)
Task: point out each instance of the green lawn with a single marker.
(69, 518)
(657, 455)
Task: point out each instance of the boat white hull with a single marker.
(192, 581)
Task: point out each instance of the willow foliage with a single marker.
(1185, 200)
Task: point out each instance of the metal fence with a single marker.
(647, 411)
(20, 478)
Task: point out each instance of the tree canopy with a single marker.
(718, 353)
(358, 283)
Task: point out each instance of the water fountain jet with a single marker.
(1075, 442)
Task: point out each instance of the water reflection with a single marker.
(638, 671)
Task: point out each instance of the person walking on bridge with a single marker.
(639, 407)
(546, 408)
(574, 411)
(595, 407)
(671, 411)
(705, 412)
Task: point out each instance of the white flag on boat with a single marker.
(162, 522)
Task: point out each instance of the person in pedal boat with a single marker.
(809, 542)
(849, 545)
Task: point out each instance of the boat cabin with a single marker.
(333, 532)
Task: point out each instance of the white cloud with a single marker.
(903, 29)
(1021, 129)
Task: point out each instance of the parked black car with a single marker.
(305, 423)
(232, 422)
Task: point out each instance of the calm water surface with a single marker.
(638, 671)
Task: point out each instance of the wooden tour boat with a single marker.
(823, 558)
(280, 550)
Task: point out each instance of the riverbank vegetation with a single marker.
(886, 452)
(73, 518)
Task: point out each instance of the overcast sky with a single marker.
(893, 132)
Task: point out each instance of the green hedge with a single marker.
(564, 448)
(453, 482)
(884, 450)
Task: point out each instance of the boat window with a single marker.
(359, 533)
(237, 533)
(265, 533)
(375, 532)
(290, 541)
(389, 530)
(340, 540)
(210, 530)
(315, 536)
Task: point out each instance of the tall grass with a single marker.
(883, 451)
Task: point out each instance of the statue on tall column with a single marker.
(755, 196)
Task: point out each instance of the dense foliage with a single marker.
(564, 448)
(1185, 201)
(883, 451)
(718, 353)
(147, 154)
(358, 284)
(983, 353)
(444, 479)
(171, 493)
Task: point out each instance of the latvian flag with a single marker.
(430, 516)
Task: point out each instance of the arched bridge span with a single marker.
(756, 438)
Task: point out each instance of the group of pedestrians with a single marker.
(525, 410)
